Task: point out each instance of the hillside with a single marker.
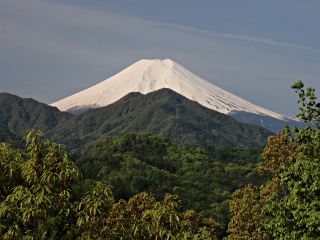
(12, 139)
(163, 112)
(19, 114)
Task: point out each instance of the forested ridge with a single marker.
(204, 178)
(163, 112)
(143, 186)
(19, 114)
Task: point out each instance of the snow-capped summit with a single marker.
(146, 76)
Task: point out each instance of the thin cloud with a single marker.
(241, 37)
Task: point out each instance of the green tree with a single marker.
(93, 211)
(296, 214)
(246, 210)
(38, 190)
(10, 172)
(288, 206)
(144, 218)
(43, 196)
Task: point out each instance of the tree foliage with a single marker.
(296, 215)
(288, 206)
(203, 177)
(39, 197)
(43, 196)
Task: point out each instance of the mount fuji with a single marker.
(147, 76)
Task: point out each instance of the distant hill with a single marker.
(12, 139)
(163, 112)
(19, 114)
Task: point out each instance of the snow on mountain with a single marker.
(146, 76)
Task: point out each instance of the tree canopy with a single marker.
(43, 196)
(288, 206)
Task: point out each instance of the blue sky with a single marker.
(50, 49)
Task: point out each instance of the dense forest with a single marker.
(143, 186)
(204, 178)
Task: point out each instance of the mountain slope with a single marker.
(146, 76)
(163, 112)
(12, 139)
(19, 114)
